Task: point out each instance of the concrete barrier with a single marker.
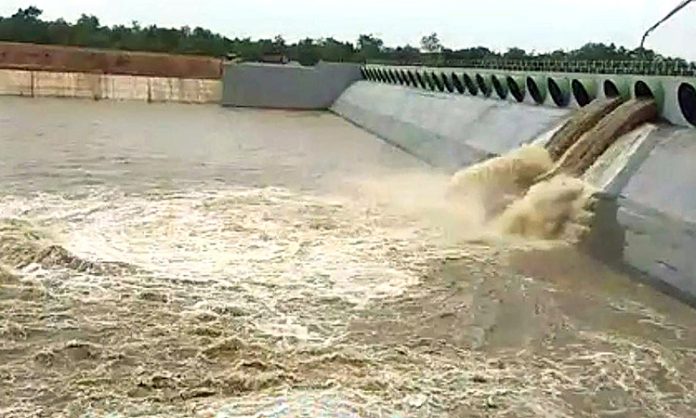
(444, 129)
(286, 86)
(184, 90)
(123, 87)
(657, 208)
(108, 87)
(16, 83)
(76, 85)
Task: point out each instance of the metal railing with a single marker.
(637, 67)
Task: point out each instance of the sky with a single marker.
(540, 25)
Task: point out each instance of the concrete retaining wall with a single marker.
(445, 130)
(657, 208)
(646, 217)
(108, 87)
(286, 86)
(16, 83)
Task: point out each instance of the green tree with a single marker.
(515, 54)
(59, 32)
(307, 52)
(431, 43)
(407, 54)
(332, 50)
(369, 47)
(30, 14)
(279, 45)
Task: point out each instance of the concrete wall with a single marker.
(646, 216)
(108, 87)
(286, 86)
(666, 86)
(657, 208)
(16, 83)
(446, 130)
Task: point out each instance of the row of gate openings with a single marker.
(464, 83)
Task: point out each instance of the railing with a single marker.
(637, 67)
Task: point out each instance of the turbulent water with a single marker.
(163, 260)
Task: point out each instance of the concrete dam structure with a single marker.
(455, 117)
(450, 118)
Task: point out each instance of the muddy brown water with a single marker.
(167, 260)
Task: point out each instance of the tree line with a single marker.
(26, 25)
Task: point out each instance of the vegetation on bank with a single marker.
(26, 25)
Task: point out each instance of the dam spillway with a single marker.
(458, 126)
(161, 258)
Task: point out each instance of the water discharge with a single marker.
(535, 191)
(595, 139)
(250, 263)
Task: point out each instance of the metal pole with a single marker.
(663, 20)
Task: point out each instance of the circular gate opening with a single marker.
(534, 91)
(515, 89)
(580, 93)
(556, 93)
(687, 102)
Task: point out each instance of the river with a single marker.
(174, 260)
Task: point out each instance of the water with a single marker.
(166, 260)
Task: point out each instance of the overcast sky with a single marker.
(540, 25)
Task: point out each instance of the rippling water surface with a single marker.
(166, 260)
